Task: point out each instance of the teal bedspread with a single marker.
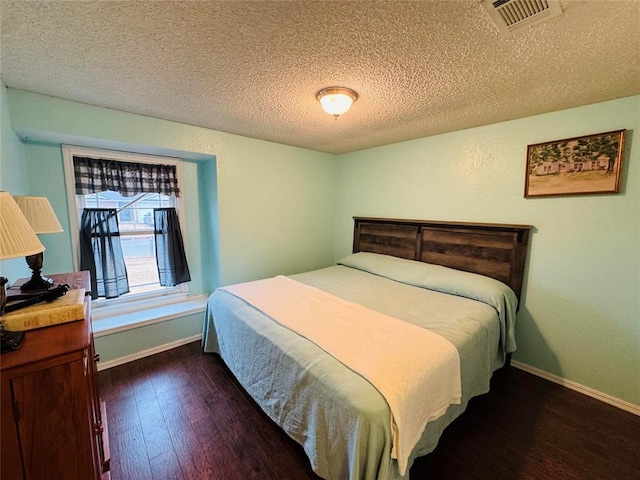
(338, 417)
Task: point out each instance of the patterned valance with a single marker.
(99, 175)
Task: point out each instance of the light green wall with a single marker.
(119, 345)
(13, 177)
(46, 178)
(253, 208)
(580, 317)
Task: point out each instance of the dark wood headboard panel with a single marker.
(495, 250)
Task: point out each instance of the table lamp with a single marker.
(17, 239)
(42, 218)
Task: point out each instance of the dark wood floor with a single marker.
(180, 415)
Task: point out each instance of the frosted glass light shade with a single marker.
(39, 214)
(336, 100)
(17, 238)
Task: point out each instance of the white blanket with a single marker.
(417, 371)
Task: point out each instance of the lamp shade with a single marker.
(336, 100)
(39, 214)
(17, 238)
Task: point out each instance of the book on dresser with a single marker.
(67, 308)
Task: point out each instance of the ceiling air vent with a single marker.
(510, 15)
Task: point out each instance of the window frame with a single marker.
(68, 152)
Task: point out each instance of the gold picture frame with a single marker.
(590, 164)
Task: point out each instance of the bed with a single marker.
(459, 282)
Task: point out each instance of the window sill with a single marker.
(108, 320)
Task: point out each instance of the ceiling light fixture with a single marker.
(336, 100)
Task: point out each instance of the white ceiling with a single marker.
(254, 67)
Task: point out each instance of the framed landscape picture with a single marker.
(575, 166)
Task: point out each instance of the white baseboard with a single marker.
(145, 353)
(590, 392)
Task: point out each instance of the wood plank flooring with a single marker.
(181, 415)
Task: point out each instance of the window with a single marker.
(134, 216)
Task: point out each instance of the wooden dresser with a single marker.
(53, 423)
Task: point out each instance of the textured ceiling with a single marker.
(254, 68)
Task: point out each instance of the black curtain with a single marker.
(170, 256)
(101, 252)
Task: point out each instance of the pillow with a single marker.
(446, 280)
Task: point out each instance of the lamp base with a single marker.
(37, 281)
(3, 294)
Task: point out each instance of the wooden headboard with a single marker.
(495, 250)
